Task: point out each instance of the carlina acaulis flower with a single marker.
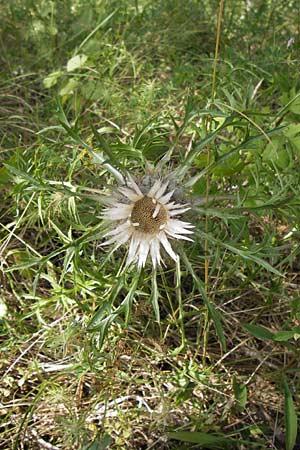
(146, 220)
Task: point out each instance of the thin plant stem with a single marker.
(180, 308)
(208, 127)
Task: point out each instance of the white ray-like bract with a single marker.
(146, 222)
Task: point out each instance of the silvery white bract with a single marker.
(147, 221)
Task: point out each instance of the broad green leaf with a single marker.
(290, 417)
(4, 176)
(52, 30)
(295, 104)
(201, 160)
(195, 437)
(76, 62)
(276, 153)
(240, 393)
(258, 331)
(128, 151)
(69, 87)
(52, 79)
(286, 335)
(99, 443)
(230, 167)
(292, 130)
(295, 142)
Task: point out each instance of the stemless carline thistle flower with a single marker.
(147, 221)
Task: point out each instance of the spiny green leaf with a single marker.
(245, 254)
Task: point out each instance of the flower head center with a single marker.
(148, 215)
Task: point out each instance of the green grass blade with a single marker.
(154, 296)
(213, 313)
(258, 331)
(290, 417)
(195, 437)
